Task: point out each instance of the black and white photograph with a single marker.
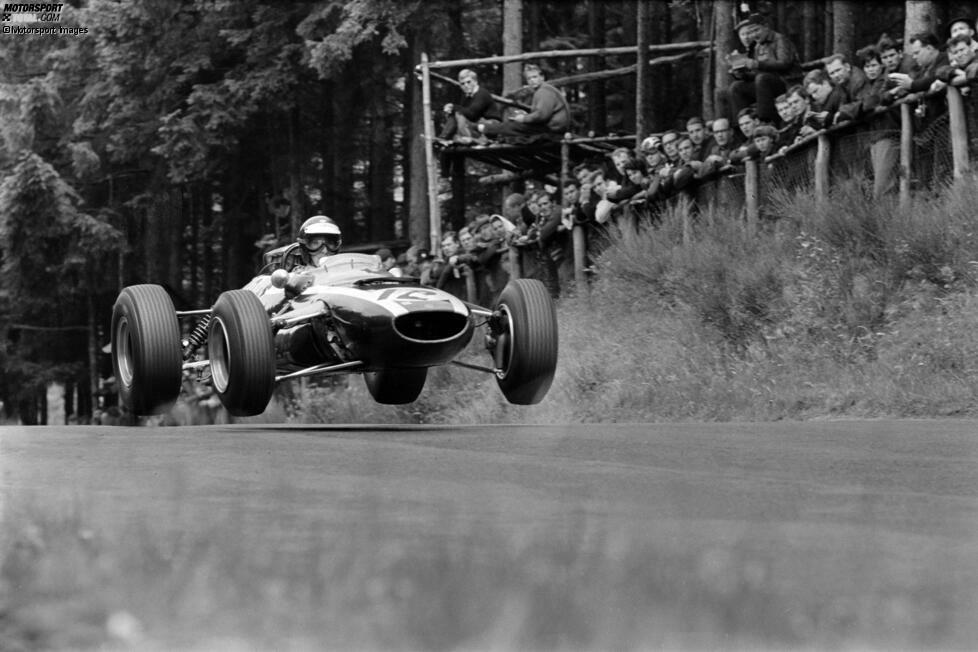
(504, 325)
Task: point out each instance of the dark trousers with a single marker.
(761, 91)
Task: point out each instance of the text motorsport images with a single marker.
(35, 18)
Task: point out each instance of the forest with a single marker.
(150, 147)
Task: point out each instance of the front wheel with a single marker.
(396, 386)
(525, 350)
(146, 352)
(241, 350)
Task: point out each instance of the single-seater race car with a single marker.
(346, 315)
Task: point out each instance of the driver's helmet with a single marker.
(320, 235)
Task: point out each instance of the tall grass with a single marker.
(839, 307)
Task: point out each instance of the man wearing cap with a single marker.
(760, 73)
(963, 26)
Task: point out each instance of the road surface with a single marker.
(830, 534)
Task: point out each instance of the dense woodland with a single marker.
(150, 149)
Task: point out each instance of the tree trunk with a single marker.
(532, 24)
(706, 30)
(844, 28)
(811, 28)
(642, 106)
(921, 16)
(416, 174)
(512, 44)
(661, 76)
(629, 34)
(723, 25)
(597, 109)
(381, 168)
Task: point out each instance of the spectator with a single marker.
(718, 153)
(689, 167)
(765, 139)
(696, 130)
(549, 114)
(448, 272)
(517, 210)
(783, 107)
(615, 173)
(893, 57)
(791, 132)
(387, 260)
(670, 146)
(825, 100)
(842, 73)
(963, 65)
(962, 26)
(760, 73)
(884, 152)
(475, 106)
(746, 121)
(926, 52)
(540, 240)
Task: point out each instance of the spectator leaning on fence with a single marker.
(760, 73)
(963, 67)
(721, 146)
(964, 26)
(825, 100)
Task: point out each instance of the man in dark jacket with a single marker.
(760, 74)
(549, 114)
(475, 106)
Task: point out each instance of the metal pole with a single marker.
(434, 215)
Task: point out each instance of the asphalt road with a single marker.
(859, 511)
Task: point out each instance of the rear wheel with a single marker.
(241, 350)
(525, 351)
(396, 386)
(146, 352)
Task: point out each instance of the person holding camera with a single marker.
(759, 72)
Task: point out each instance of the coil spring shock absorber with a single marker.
(197, 337)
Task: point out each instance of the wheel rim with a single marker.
(217, 352)
(504, 344)
(123, 352)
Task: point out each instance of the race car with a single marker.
(344, 315)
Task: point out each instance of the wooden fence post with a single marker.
(751, 191)
(906, 153)
(959, 131)
(822, 156)
(579, 240)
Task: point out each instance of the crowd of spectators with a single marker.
(771, 105)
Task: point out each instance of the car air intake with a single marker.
(430, 326)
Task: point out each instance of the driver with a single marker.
(319, 237)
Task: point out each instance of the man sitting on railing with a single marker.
(760, 73)
(549, 114)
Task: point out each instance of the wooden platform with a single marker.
(541, 158)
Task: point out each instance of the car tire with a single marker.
(241, 350)
(396, 386)
(525, 352)
(146, 354)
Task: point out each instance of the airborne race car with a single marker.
(347, 315)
